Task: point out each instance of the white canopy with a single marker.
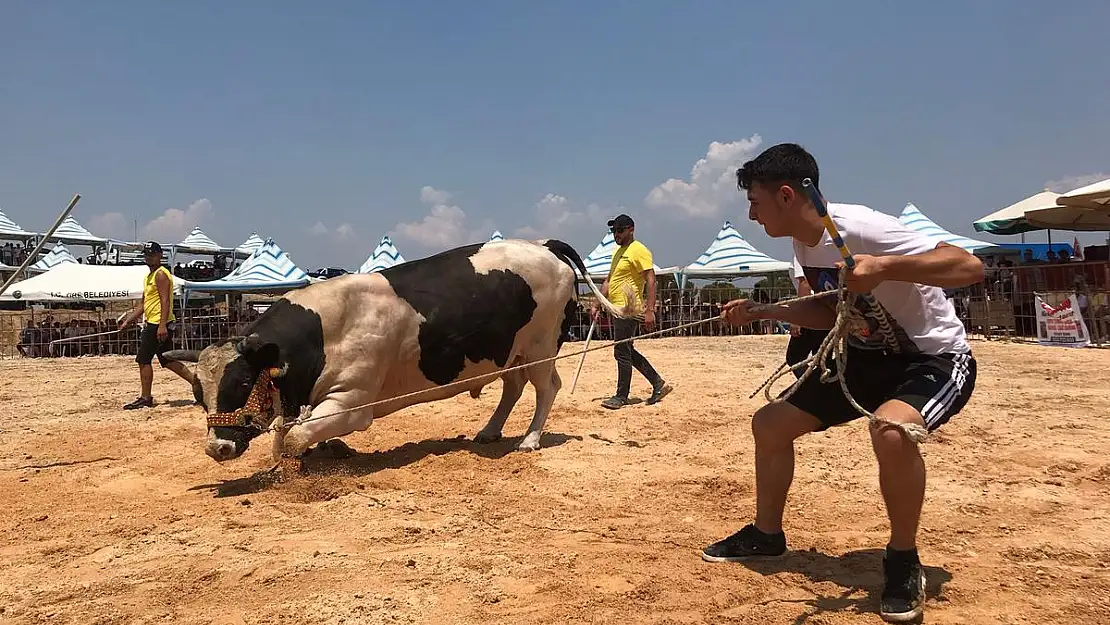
(72, 232)
(915, 220)
(496, 236)
(731, 255)
(598, 261)
(251, 245)
(10, 230)
(384, 256)
(268, 269)
(73, 282)
(198, 243)
(57, 256)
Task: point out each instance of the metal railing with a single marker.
(1002, 307)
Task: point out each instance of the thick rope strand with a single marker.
(305, 415)
(836, 346)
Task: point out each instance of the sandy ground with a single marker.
(119, 517)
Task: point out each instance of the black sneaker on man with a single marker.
(746, 543)
(903, 598)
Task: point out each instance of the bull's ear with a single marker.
(182, 355)
(260, 353)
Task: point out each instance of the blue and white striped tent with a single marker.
(598, 261)
(57, 256)
(384, 256)
(496, 236)
(9, 229)
(251, 245)
(269, 268)
(730, 255)
(915, 220)
(72, 232)
(198, 243)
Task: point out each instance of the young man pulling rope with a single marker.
(918, 370)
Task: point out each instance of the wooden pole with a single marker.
(589, 335)
(34, 254)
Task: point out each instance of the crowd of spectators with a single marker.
(50, 338)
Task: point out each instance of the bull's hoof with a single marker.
(340, 449)
(333, 448)
(530, 443)
(485, 438)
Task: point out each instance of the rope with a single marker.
(84, 336)
(306, 415)
(836, 346)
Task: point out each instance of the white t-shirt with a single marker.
(796, 274)
(923, 319)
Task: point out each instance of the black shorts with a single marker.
(936, 386)
(150, 346)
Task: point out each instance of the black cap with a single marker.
(621, 221)
(152, 247)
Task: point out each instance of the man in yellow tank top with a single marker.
(631, 269)
(156, 338)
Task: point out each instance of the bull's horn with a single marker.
(182, 355)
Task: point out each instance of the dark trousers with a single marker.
(802, 346)
(628, 358)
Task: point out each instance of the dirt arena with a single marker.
(119, 517)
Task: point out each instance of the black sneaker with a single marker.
(142, 402)
(748, 542)
(903, 599)
(659, 393)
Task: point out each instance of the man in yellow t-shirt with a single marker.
(156, 310)
(631, 270)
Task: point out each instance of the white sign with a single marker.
(1062, 325)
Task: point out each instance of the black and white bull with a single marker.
(360, 339)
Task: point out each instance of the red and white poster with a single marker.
(1061, 325)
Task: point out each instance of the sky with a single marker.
(329, 125)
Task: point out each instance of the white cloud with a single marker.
(558, 218)
(111, 225)
(345, 231)
(712, 183)
(1070, 183)
(443, 227)
(433, 196)
(342, 232)
(175, 224)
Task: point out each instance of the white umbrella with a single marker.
(1093, 196)
(1014, 219)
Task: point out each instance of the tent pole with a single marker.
(34, 253)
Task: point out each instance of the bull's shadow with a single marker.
(855, 571)
(318, 462)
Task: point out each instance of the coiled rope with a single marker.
(835, 348)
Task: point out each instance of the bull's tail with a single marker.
(566, 253)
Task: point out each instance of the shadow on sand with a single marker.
(321, 460)
(855, 571)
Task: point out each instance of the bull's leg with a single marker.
(512, 387)
(322, 428)
(545, 377)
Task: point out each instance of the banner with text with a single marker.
(1061, 325)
